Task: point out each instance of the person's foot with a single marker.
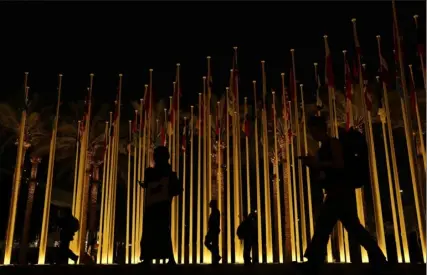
(216, 259)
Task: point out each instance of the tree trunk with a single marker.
(29, 208)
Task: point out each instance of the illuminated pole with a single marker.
(199, 237)
(278, 204)
(227, 135)
(375, 184)
(129, 185)
(49, 182)
(298, 147)
(141, 168)
(307, 170)
(191, 233)
(184, 197)
(219, 179)
(76, 165)
(206, 186)
(248, 185)
(17, 182)
(258, 184)
(136, 197)
(266, 170)
(401, 213)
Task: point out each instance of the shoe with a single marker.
(216, 259)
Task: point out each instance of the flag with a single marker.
(329, 73)
(348, 95)
(184, 138)
(367, 92)
(162, 136)
(245, 126)
(319, 103)
(418, 36)
(384, 72)
(397, 53)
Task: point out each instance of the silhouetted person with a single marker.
(328, 167)
(68, 225)
(161, 185)
(211, 239)
(247, 231)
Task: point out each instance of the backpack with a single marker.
(356, 158)
(241, 230)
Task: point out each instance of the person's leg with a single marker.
(316, 249)
(247, 250)
(215, 248)
(208, 241)
(352, 224)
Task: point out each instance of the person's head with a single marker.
(318, 128)
(253, 215)
(213, 204)
(161, 155)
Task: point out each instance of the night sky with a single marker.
(108, 38)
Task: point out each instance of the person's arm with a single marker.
(337, 157)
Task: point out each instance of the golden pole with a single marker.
(205, 172)
(17, 182)
(419, 124)
(81, 211)
(287, 177)
(199, 237)
(141, 168)
(375, 185)
(102, 206)
(401, 213)
(266, 171)
(177, 166)
(219, 180)
(128, 198)
(49, 182)
(248, 181)
(300, 174)
(236, 189)
(329, 257)
(381, 113)
(295, 198)
(104, 230)
(258, 184)
(136, 197)
(307, 170)
(278, 203)
(423, 69)
(76, 165)
(227, 152)
(191, 233)
(184, 180)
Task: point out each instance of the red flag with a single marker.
(162, 136)
(368, 95)
(329, 76)
(184, 139)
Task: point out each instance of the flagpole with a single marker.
(191, 229)
(176, 221)
(101, 216)
(105, 212)
(300, 174)
(307, 170)
(141, 169)
(128, 196)
(419, 124)
(76, 165)
(278, 204)
(423, 69)
(184, 180)
(348, 101)
(248, 185)
(136, 189)
(228, 200)
(199, 183)
(219, 179)
(49, 182)
(236, 189)
(401, 213)
(287, 178)
(294, 188)
(375, 185)
(206, 186)
(258, 184)
(266, 170)
(175, 151)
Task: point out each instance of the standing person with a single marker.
(68, 226)
(161, 186)
(211, 239)
(334, 168)
(247, 231)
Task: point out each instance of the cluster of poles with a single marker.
(220, 164)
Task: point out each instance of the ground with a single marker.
(264, 269)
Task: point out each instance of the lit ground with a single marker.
(273, 269)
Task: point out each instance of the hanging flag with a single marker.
(184, 138)
(245, 126)
(162, 136)
(319, 103)
(368, 94)
(329, 73)
(348, 95)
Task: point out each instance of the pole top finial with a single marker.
(410, 65)
(301, 85)
(146, 85)
(292, 50)
(178, 64)
(120, 75)
(245, 98)
(130, 121)
(208, 57)
(136, 111)
(204, 77)
(254, 81)
(353, 20)
(192, 106)
(60, 75)
(170, 97)
(378, 37)
(151, 70)
(235, 47)
(262, 61)
(227, 88)
(344, 51)
(315, 63)
(218, 102)
(200, 94)
(416, 16)
(26, 73)
(325, 37)
(377, 77)
(273, 92)
(106, 122)
(282, 74)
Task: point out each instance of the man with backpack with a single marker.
(247, 231)
(340, 166)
